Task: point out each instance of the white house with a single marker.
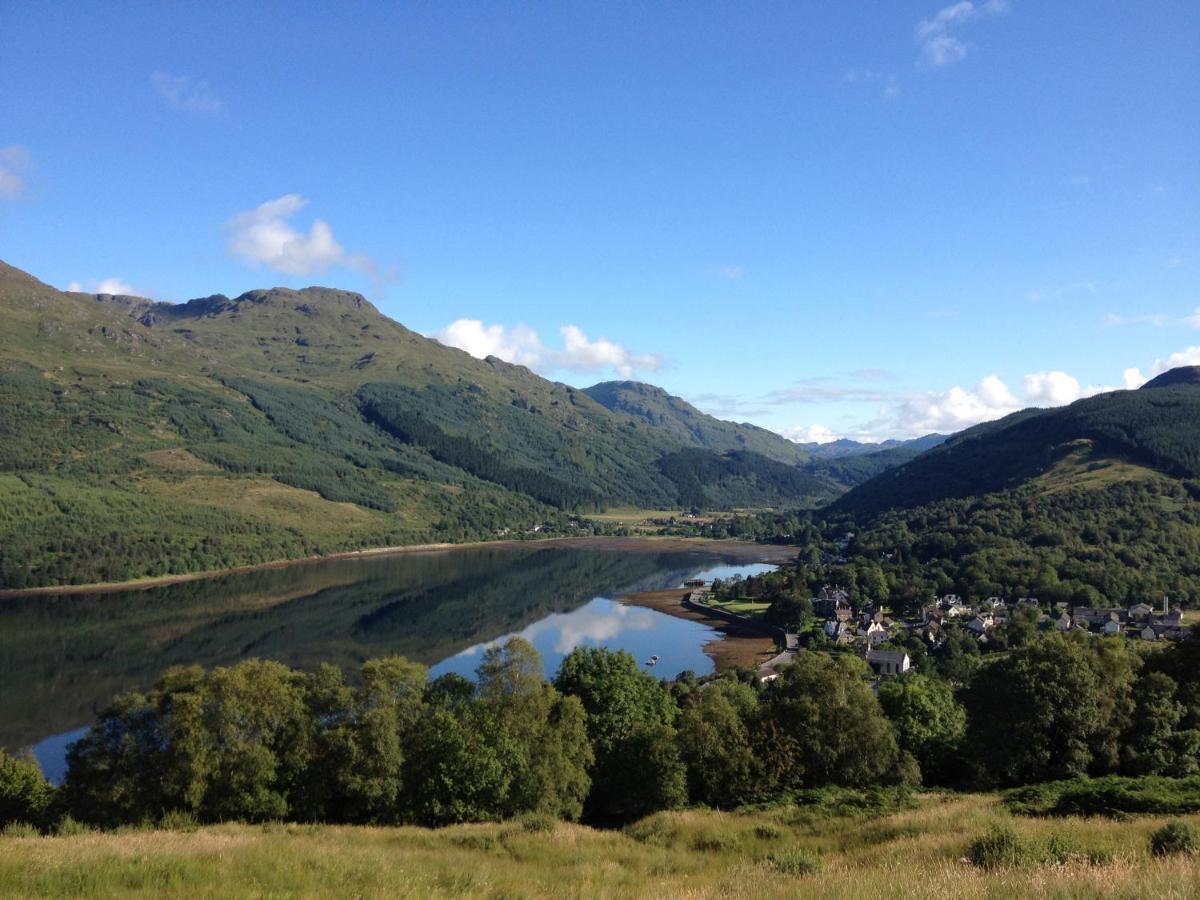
(876, 633)
(888, 662)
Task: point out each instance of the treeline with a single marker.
(606, 742)
(1116, 543)
(705, 480)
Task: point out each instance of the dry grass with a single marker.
(913, 853)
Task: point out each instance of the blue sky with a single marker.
(859, 218)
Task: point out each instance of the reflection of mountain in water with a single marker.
(62, 657)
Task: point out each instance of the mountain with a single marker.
(1183, 375)
(145, 438)
(1116, 436)
(677, 417)
(844, 447)
(1092, 504)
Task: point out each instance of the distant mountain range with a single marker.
(844, 447)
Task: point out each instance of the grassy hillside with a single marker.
(786, 851)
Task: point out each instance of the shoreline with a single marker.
(738, 645)
(767, 553)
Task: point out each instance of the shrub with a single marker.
(661, 829)
(1060, 848)
(1001, 848)
(713, 843)
(1174, 837)
(20, 830)
(795, 862)
(537, 822)
(67, 827)
(768, 832)
(473, 841)
(1113, 796)
(178, 820)
(25, 794)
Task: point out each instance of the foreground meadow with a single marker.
(916, 852)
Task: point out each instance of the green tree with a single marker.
(25, 794)
(824, 705)
(1039, 713)
(541, 731)
(715, 744)
(928, 721)
(629, 716)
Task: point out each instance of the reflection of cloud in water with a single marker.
(595, 626)
(598, 621)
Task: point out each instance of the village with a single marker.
(871, 632)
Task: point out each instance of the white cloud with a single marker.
(264, 236)
(581, 355)
(947, 411)
(1186, 357)
(519, 344)
(1133, 379)
(596, 623)
(183, 92)
(809, 434)
(1051, 388)
(731, 272)
(938, 37)
(14, 163)
(106, 286)
(522, 345)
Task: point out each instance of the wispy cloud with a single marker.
(939, 37)
(730, 272)
(264, 236)
(522, 345)
(1157, 320)
(186, 93)
(14, 164)
(887, 84)
(1056, 292)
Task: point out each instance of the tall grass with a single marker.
(921, 851)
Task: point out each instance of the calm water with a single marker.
(62, 658)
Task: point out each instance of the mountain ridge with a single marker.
(157, 438)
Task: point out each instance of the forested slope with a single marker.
(144, 438)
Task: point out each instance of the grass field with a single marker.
(915, 852)
(740, 606)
